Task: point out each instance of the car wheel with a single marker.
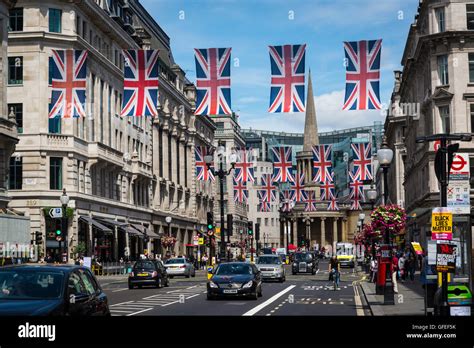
(260, 292)
(293, 273)
(313, 272)
(159, 283)
(167, 282)
(188, 275)
(209, 297)
(130, 286)
(194, 274)
(254, 295)
(139, 286)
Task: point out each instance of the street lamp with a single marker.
(168, 220)
(385, 156)
(64, 198)
(371, 195)
(222, 174)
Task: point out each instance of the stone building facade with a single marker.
(123, 175)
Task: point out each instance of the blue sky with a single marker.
(249, 26)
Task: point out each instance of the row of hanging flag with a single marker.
(213, 80)
(283, 173)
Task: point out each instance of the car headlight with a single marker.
(248, 284)
(212, 284)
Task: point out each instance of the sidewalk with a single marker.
(408, 301)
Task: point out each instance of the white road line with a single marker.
(267, 302)
(145, 310)
(119, 310)
(133, 306)
(358, 302)
(120, 290)
(121, 303)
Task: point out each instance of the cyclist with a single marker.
(334, 268)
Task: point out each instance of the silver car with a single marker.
(180, 266)
(271, 267)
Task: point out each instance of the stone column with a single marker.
(344, 229)
(174, 156)
(91, 241)
(115, 246)
(323, 232)
(334, 233)
(165, 159)
(181, 165)
(294, 232)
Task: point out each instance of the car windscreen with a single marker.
(303, 257)
(172, 261)
(232, 269)
(30, 284)
(269, 260)
(144, 265)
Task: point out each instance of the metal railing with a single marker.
(111, 268)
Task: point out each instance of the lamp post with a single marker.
(371, 195)
(222, 174)
(168, 220)
(385, 156)
(64, 198)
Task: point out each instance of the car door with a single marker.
(79, 301)
(257, 274)
(162, 270)
(98, 298)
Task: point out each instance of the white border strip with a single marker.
(267, 302)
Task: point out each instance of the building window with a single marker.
(470, 16)
(55, 20)
(15, 177)
(471, 67)
(472, 117)
(55, 173)
(160, 152)
(16, 19)
(445, 121)
(439, 12)
(443, 69)
(266, 221)
(15, 70)
(54, 125)
(17, 109)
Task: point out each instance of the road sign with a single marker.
(56, 213)
(218, 230)
(460, 167)
(442, 224)
(201, 241)
(417, 247)
(437, 145)
(445, 257)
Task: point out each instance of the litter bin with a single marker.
(459, 300)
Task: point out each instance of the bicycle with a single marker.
(335, 279)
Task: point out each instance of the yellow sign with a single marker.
(218, 230)
(441, 224)
(417, 247)
(201, 241)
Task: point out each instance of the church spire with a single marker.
(310, 125)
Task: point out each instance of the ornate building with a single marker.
(124, 175)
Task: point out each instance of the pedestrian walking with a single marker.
(394, 273)
(373, 269)
(401, 267)
(411, 266)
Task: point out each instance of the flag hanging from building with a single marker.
(244, 166)
(268, 189)
(263, 205)
(297, 188)
(332, 205)
(202, 172)
(140, 83)
(327, 190)
(282, 164)
(287, 83)
(355, 204)
(68, 93)
(362, 154)
(213, 81)
(286, 200)
(310, 201)
(322, 163)
(362, 75)
(241, 194)
(356, 187)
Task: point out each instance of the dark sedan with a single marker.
(235, 279)
(41, 290)
(148, 272)
(304, 262)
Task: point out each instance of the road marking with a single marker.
(119, 310)
(121, 303)
(120, 290)
(358, 301)
(267, 302)
(145, 310)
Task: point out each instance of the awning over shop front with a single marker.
(95, 224)
(113, 222)
(144, 230)
(132, 231)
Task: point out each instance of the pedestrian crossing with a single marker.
(324, 301)
(164, 299)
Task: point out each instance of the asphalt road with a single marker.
(302, 294)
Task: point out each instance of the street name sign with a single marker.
(56, 213)
(441, 224)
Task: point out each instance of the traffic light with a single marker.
(250, 228)
(58, 232)
(38, 237)
(257, 231)
(230, 224)
(210, 223)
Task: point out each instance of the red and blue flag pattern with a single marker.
(241, 194)
(244, 170)
(327, 190)
(203, 173)
(213, 81)
(68, 95)
(362, 75)
(322, 163)
(267, 189)
(286, 200)
(263, 205)
(297, 188)
(282, 164)
(287, 81)
(310, 201)
(356, 189)
(140, 83)
(362, 154)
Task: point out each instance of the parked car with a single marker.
(235, 279)
(58, 290)
(148, 272)
(180, 266)
(304, 262)
(271, 267)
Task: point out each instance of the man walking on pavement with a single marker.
(394, 272)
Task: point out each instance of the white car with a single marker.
(179, 266)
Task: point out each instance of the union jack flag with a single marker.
(355, 204)
(241, 194)
(327, 190)
(268, 189)
(212, 81)
(362, 75)
(310, 201)
(244, 166)
(356, 187)
(282, 164)
(287, 84)
(286, 198)
(140, 83)
(362, 161)
(68, 95)
(333, 204)
(202, 172)
(297, 188)
(322, 163)
(263, 205)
